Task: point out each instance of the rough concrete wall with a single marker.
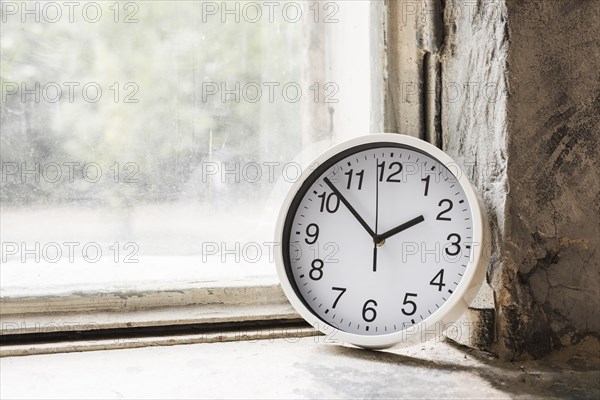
(521, 109)
(473, 87)
(473, 98)
(548, 284)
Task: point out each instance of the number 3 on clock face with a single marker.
(382, 241)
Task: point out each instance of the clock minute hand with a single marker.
(349, 207)
(399, 228)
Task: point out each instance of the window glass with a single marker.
(151, 142)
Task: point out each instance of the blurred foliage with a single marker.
(167, 55)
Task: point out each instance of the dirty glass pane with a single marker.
(149, 143)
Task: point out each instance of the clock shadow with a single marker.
(410, 369)
(392, 356)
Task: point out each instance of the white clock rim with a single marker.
(445, 316)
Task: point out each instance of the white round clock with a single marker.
(381, 242)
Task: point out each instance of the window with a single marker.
(146, 145)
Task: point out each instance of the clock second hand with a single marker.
(375, 242)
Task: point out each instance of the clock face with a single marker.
(378, 238)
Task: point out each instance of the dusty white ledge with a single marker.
(310, 367)
(224, 293)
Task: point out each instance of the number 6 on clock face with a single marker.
(409, 233)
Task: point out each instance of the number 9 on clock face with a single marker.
(381, 242)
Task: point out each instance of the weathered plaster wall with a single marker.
(472, 114)
(549, 284)
(520, 108)
(473, 98)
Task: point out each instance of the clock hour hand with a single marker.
(399, 229)
(349, 207)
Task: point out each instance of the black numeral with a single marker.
(394, 167)
(412, 304)
(450, 205)
(314, 235)
(360, 178)
(455, 244)
(326, 202)
(342, 291)
(316, 270)
(370, 310)
(426, 180)
(438, 280)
